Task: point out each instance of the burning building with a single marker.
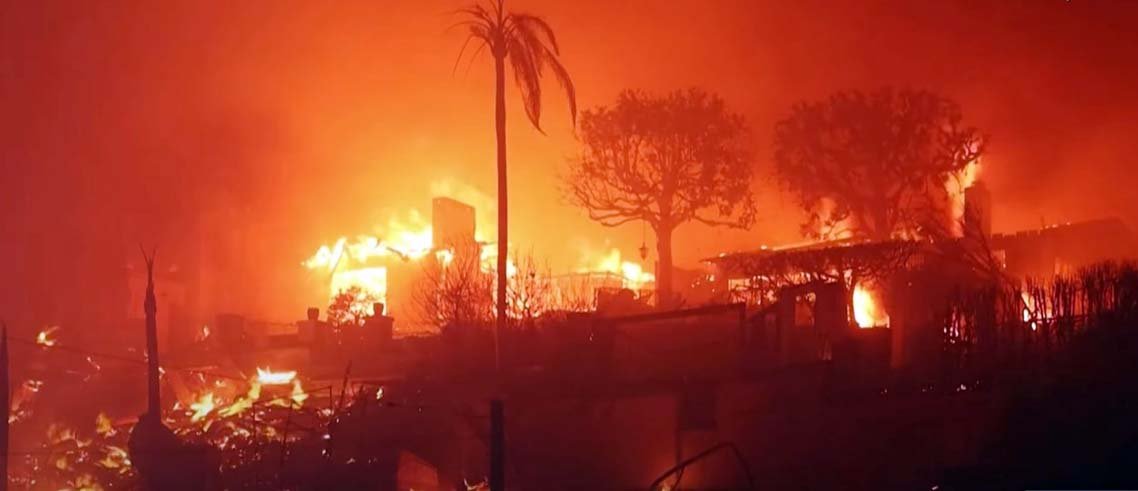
(810, 297)
(389, 267)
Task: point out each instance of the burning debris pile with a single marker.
(239, 420)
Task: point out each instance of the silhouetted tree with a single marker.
(531, 292)
(350, 307)
(874, 161)
(454, 291)
(457, 291)
(663, 160)
(528, 43)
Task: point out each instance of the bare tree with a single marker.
(530, 290)
(454, 292)
(663, 160)
(878, 160)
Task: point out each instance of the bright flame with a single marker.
(45, 338)
(267, 376)
(445, 257)
(103, 425)
(867, 312)
(84, 482)
(298, 395)
(346, 261)
(488, 261)
(1032, 313)
(955, 186)
(372, 283)
(402, 240)
(243, 403)
(57, 433)
(632, 274)
(202, 407)
(116, 458)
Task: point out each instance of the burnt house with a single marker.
(825, 300)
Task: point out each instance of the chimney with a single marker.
(452, 223)
(977, 210)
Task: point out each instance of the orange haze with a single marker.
(243, 135)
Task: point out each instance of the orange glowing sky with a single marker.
(266, 128)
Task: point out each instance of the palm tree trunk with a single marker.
(503, 235)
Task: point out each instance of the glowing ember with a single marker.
(1034, 314)
(203, 335)
(45, 338)
(867, 311)
(267, 376)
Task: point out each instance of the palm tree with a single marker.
(528, 43)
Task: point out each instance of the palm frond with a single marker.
(478, 12)
(529, 43)
(534, 23)
(528, 80)
(530, 46)
(566, 83)
(474, 56)
(461, 50)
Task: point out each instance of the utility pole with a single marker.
(497, 446)
(150, 305)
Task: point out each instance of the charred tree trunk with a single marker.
(664, 296)
(503, 235)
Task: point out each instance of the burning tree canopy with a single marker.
(664, 160)
(873, 164)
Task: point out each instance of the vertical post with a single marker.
(4, 394)
(497, 446)
(154, 401)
